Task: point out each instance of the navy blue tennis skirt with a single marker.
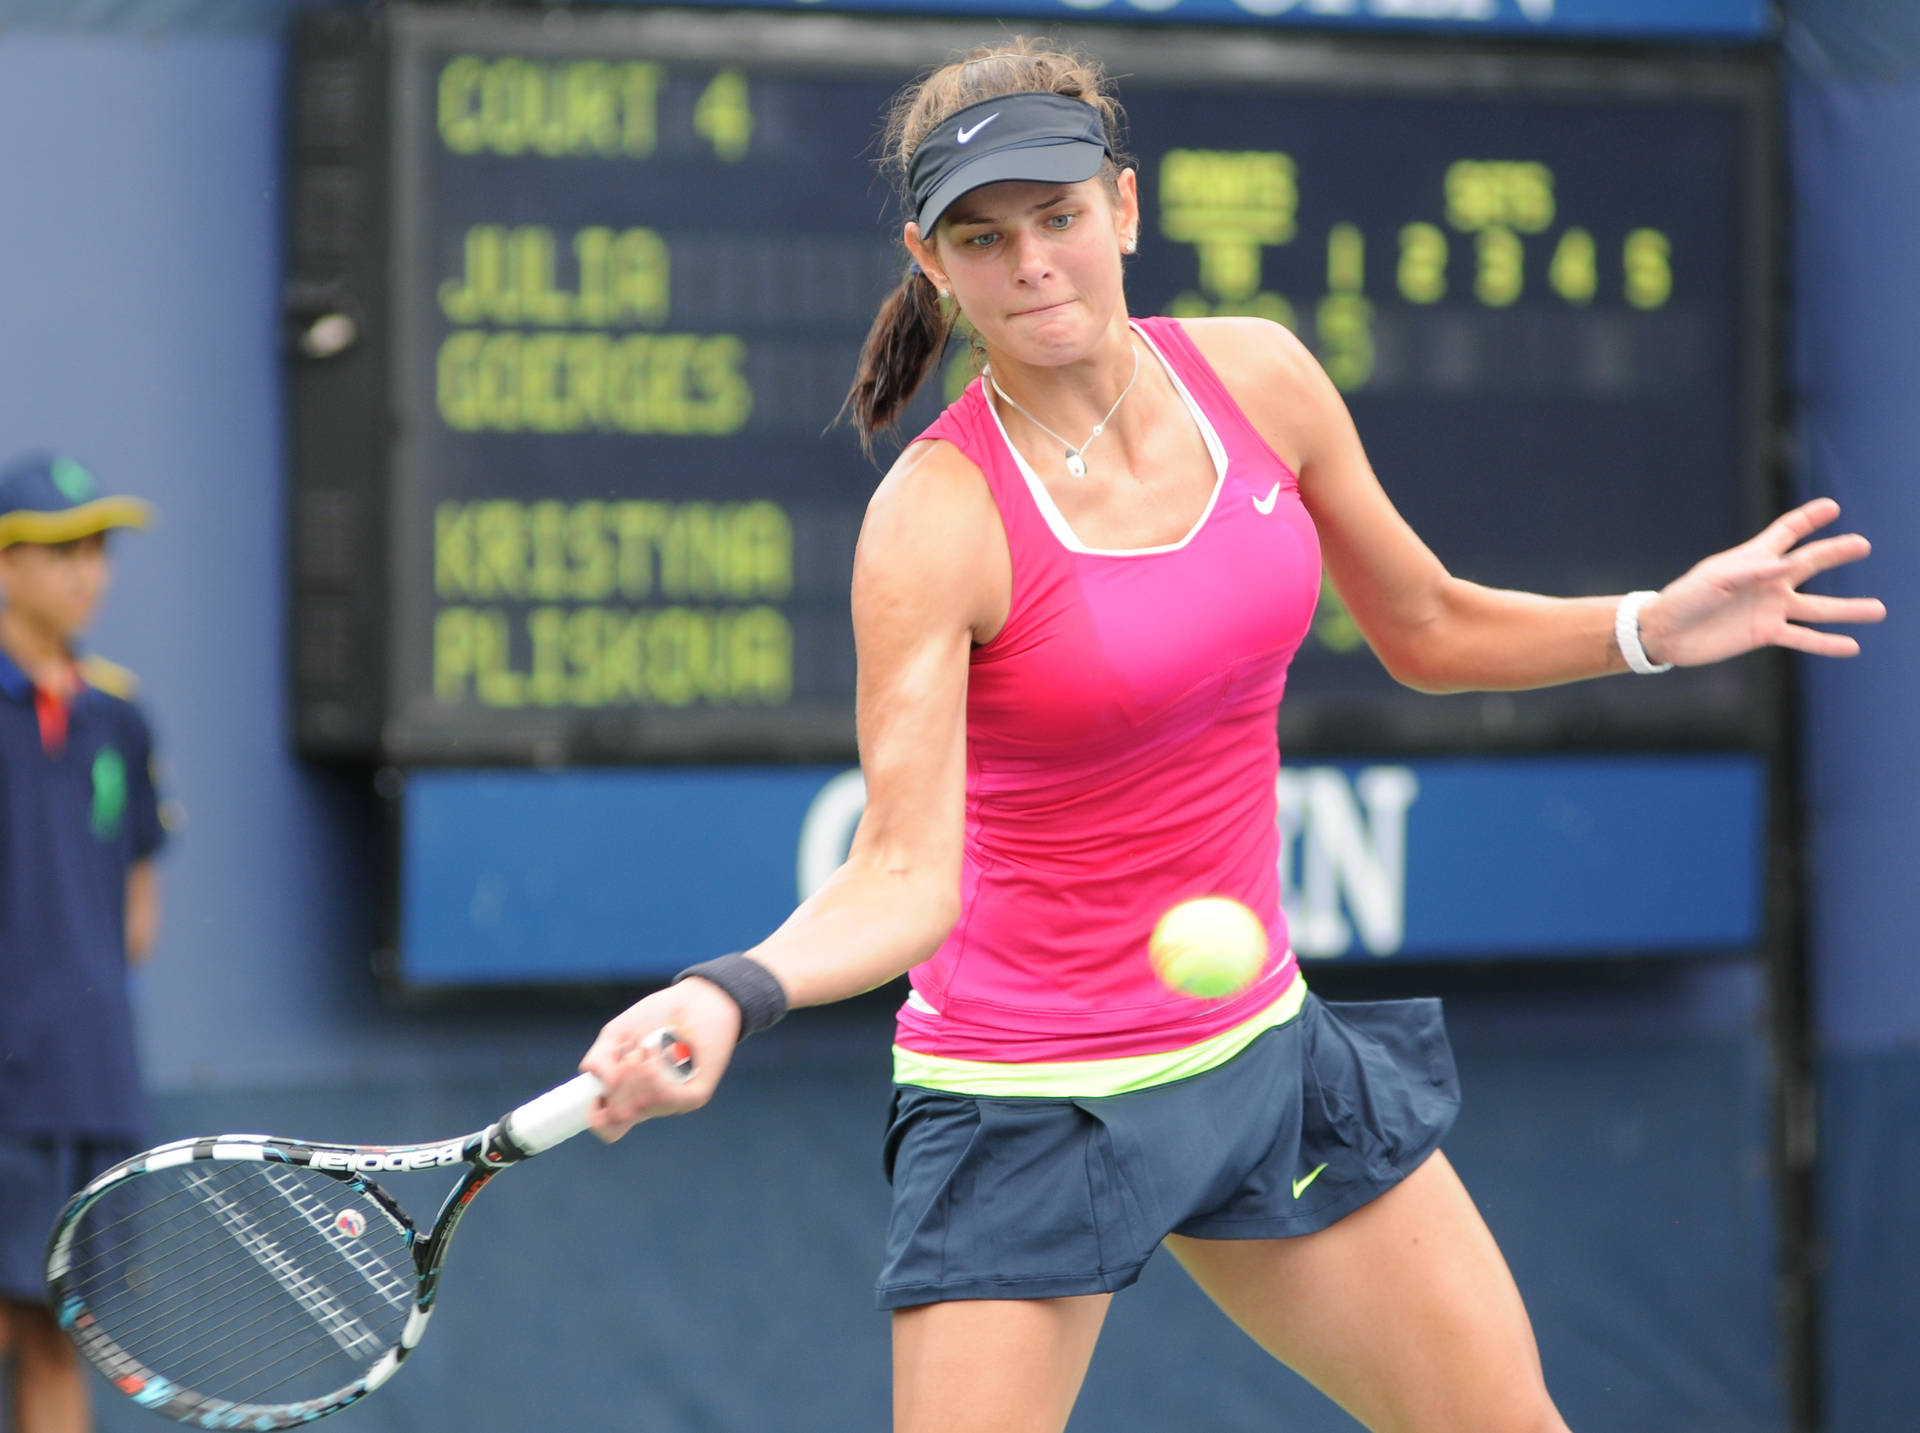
(1026, 1198)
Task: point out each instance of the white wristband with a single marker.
(1626, 631)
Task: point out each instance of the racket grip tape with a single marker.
(561, 1113)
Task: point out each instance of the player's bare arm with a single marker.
(1440, 633)
(931, 577)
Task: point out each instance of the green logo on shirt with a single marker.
(109, 793)
(72, 479)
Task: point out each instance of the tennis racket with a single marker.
(244, 1281)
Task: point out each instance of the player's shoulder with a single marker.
(932, 535)
(932, 485)
(1274, 378)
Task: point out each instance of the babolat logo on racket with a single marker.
(364, 1162)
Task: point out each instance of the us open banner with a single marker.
(524, 877)
(1616, 19)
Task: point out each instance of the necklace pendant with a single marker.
(1076, 464)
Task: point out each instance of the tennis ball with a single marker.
(1209, 947)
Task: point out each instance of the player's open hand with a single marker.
(640, 1081)
(1749, 596)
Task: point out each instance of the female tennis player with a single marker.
(1075, 599)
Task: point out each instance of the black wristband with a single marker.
(755, 989)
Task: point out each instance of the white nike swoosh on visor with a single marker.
(966, 134)
(1265, 505)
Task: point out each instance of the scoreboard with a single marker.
(574, 297)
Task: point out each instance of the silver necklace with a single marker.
(1076, 464)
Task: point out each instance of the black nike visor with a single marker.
(1035, 136)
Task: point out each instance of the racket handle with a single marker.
(561, 1113)
(558, 1115)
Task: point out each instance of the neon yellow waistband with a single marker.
(1061, 1079)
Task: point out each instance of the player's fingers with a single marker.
(659, 1075)
(618, 1111)
(1817, 644)
(599, 1061)
(1810, 607)
(1758, 571)
(1827, 553)
(615, 1045)
(618, 1059)
(604, 1119)
(606, 1127)
(1791, 526)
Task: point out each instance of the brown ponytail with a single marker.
(905, 344)
(911, 332)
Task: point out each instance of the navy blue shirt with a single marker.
(72, 823)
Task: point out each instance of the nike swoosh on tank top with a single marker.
(1121, 752)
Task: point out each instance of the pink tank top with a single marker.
(1121, 752)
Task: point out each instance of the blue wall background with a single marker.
(1616, 1122)
(1854, 125)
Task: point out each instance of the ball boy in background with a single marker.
(79, 826)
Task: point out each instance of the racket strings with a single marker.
(185, 1244)
(241, 1340)
(245, 1281)
(163, 1322)
(261, 1356)
(151, 1321)
(242, 1358)
(187, 1248)
(265, 1372)
(258, 1235)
